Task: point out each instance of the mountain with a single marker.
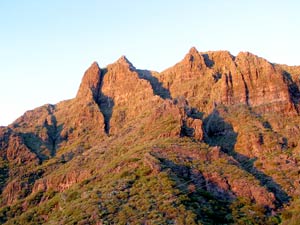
(213, 139)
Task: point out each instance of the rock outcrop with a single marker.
(214, 78)
(212, 140)
(90, 85)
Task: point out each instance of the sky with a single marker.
(45, 46)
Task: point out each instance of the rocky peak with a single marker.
(193, 50)
(194, 59)
(125, 62)
(90, 84)
(192, 64)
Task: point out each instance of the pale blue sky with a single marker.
(45, 46)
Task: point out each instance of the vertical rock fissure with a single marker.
(229, 88)
(105, 104)
(246, 89)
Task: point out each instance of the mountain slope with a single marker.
(211, 140)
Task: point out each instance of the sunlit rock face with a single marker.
(214, 139)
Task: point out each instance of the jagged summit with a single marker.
(124, 61)
(193, 55)
(193, 50)
(194, 59)
(94, 64)
(213, 139)
(90, 82)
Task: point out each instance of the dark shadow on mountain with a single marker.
(217, 77)
(191, 112)
(105, 103)
(53, 131)
(36, 145)
(4, 173)
(208, 62)
(206, 199)
(157, 86)
(45, 148)
(293, 89)
(266, 124)
(186, 131)
(194, 113)
(106, 107)
(220, 133)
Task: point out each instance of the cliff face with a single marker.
(213, 139)
(213, 78)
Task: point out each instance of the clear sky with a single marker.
(45, 46)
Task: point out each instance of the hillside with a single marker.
(213, 139)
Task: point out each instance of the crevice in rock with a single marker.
(246, 89)
(105, 104)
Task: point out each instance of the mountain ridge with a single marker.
(218, 131)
